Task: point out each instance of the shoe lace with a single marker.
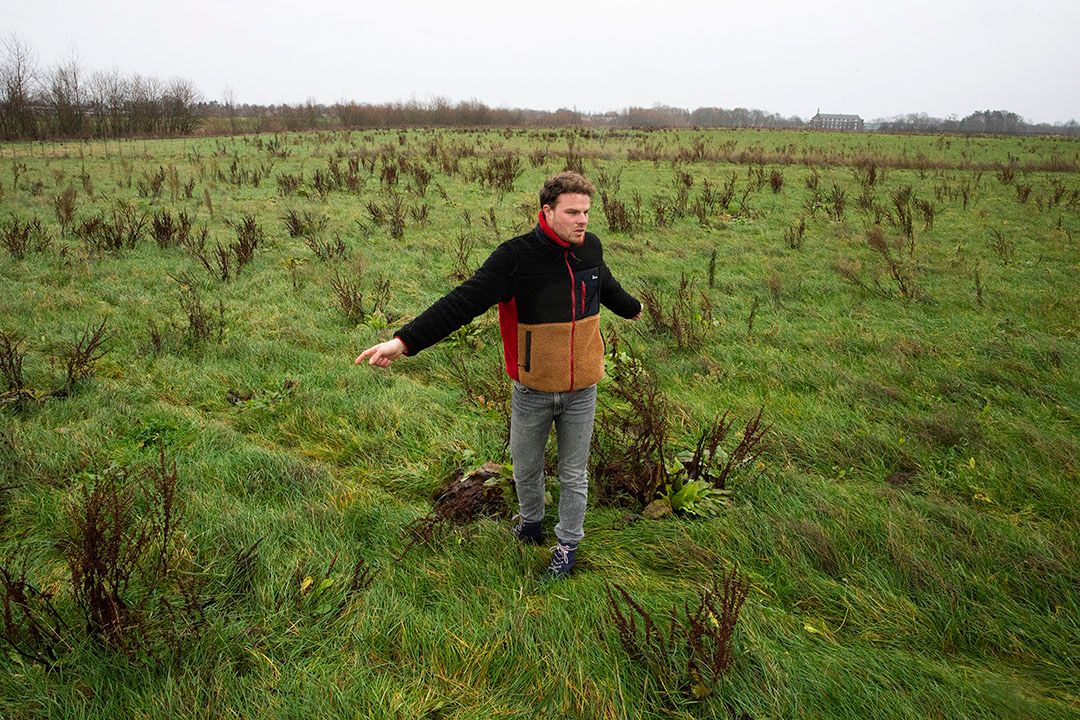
(560, 554)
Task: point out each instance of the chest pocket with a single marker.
(587, 292)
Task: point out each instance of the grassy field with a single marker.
(908, 535)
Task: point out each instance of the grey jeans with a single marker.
(531, 416)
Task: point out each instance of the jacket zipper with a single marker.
(573, 317)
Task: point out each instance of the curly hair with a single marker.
(564, 182)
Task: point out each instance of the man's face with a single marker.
(569, 217)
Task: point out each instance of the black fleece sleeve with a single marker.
(614, 298)
(488, 285)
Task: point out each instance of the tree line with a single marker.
(996, 122)
(442, 112)
(66, 101)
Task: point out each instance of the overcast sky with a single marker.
(791, 57)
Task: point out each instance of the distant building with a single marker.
(829, 121)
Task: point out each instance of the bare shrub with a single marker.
(901, 272)
(681, 183)
(464, 243)
(866, 172)
(490, 222)
(1055, 193)
(421, 177)
(172, 180)
(395, 207)
(419, 214)
(322, 183)
(1002, 245)
(20, 237)
(716, 467)
(165, 230)
(64, 207)
(615, 212)
(119, 550)
(217, 262)
(662, 211)
(80, 357)
(683, 321)
(376, 212)
(835, 203)
(150, 184)
(349, 297)
(627, 454)
(32, 626)
(502, 171)
(390, 214)
(851, 271)
(776, 180)
(326, 249)
(609, 181)
(574, 162)
(793, 236)
(287, 184)
(903, 219)
(727, 193)
(121, 229)
(203, 324)
(928, 211)
(755, 176)
(304, 224)
(248, 237)
(688, 658)
(866, 200)
(11, 361)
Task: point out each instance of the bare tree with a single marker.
(109, 96)
(65, 97)
(228, 100)
(18, 73)
(144, 105)
(179, 102)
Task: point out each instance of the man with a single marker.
(549, 284)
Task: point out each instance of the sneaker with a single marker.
(562, 561)
(528, 533)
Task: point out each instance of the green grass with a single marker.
(909, 535)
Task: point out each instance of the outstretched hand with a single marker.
(383, 354)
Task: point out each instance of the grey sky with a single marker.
(874, 59)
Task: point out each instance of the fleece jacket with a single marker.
(549, 294)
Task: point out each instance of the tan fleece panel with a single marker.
(545, 364)
(588, 352)
(546, 347)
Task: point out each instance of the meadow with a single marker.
(206, 510)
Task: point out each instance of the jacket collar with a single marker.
(546, 230)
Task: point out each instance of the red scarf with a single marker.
(551, 233)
